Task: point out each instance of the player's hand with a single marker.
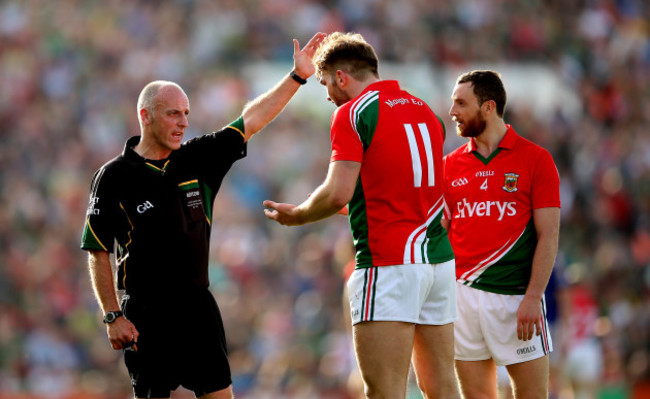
(284, 214)
(302, 58)
(529, 318)
(122, 334)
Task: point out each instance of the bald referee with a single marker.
(151, 207)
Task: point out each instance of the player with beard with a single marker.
(502, 214)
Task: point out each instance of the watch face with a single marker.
(110, 317)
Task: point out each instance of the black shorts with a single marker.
(182, 342)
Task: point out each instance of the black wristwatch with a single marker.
(110, 317)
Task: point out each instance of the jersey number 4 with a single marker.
(415, 154)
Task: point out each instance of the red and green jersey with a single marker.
(397, 204)
(490, 204)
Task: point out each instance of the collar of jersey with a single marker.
(508, 142)
(381, 85)
(155, 168)
(130, 154)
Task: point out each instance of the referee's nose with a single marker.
(184, 121)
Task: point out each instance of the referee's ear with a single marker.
(145, 117)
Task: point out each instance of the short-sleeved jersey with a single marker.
(157, 215)
(397, 204)
(490, 204)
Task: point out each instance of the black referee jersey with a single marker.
(159, 213)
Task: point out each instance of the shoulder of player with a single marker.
(343, 109)
(362, 101)
(532, 150)
(226, 130)
(113, 166)
(110, 173)
(223, 138)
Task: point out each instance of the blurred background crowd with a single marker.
(70, 74)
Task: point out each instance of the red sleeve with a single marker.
(545, 183)
(346, 144)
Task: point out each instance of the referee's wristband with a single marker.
(297, 78)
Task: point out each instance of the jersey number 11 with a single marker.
(415, 154)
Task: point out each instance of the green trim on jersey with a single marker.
(90, 240)
(365, 123)
(238, 125)
(488, 159)
(208, 200)
(510, 274)
(444, 129)
(366, 115)
(358, 217)
(439, 249)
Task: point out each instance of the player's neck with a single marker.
(357, 87)
(488, 141)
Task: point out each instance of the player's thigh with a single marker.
(433, 359)
(433, 349)
(383, 350)
(530, 379)
(478, 379)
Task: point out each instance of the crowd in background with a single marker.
(70, 74)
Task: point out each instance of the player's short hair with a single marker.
(348, 52)
(487, 86)
(147, 97)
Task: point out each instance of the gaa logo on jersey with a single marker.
(510, 182)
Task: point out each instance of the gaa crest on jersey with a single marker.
(510, 182)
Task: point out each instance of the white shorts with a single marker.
(487, 328)
(412, 293)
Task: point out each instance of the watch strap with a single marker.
(297, 78)
(110, 317)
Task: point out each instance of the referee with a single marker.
(151, 207)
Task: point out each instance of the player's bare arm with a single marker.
(529, 315)
(327, 200)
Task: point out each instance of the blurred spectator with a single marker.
(70, 69)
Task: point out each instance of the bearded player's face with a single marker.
(471, 127)
(466, 111)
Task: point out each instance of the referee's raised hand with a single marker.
(302, 59)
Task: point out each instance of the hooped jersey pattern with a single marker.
(397, 205)
(490, 204)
